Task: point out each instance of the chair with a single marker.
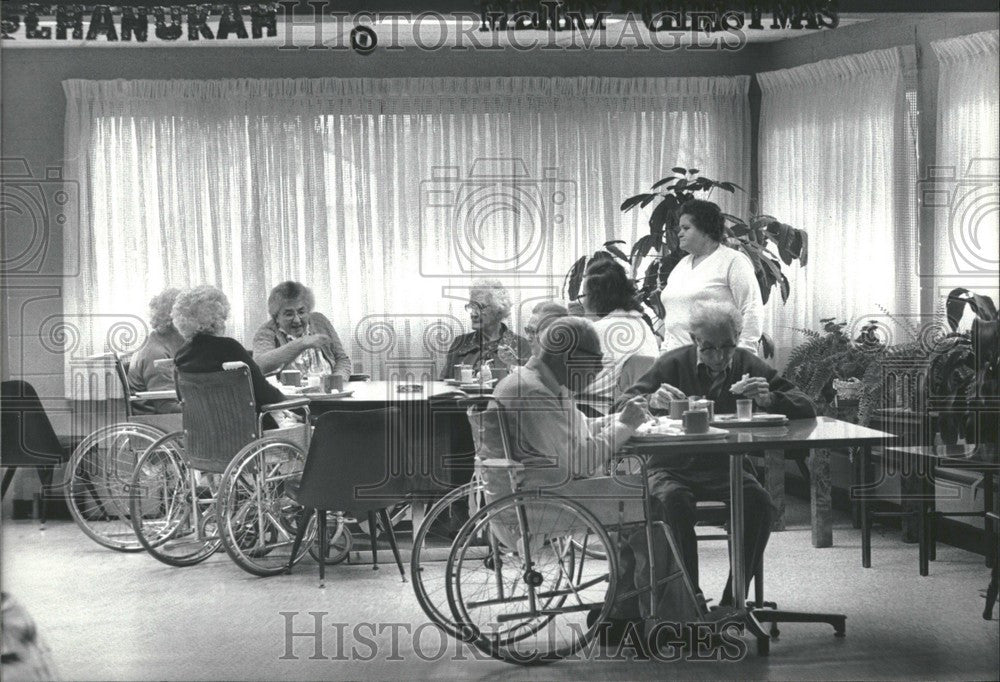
(348, 469)
(101, 467)
(28, 440)
(223, 479)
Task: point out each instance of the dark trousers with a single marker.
(678, 484)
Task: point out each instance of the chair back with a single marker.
(220, 416)
(28, 438)
(349, 464)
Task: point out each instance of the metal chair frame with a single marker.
(232, 449)
(79, 471)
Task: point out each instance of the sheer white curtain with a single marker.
(387, 197)
(838, 159)
(964, 194)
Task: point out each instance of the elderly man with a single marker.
(559, 447)
(710, 367)
(296, 337)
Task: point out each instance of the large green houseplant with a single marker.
(764, 239)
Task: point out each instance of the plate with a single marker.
(762, 419)
(456, 382)
(476, 388)
(712, 434)
(315, 392)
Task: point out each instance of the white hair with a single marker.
(202, 310)
(716, 317)
(496, 295)
(160, 307)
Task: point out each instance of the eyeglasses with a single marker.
(724, 349)
(472, 305)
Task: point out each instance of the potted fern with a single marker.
(765, 240)
(831, 367)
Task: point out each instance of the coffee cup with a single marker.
(696, 421)
(291, 377)
(708, 406)
(678, 408)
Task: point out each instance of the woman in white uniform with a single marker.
(711, 272)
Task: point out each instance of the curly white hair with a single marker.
(202, 310)
(160, 307)
(496, 295)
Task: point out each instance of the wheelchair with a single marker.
(223, 480)
(532, 574)
(99, 472)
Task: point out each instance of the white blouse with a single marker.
(725, 275)
(623, 334)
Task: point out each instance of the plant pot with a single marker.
(849, 390)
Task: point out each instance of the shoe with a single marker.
(613, 632)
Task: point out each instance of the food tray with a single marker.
(762, 419)
(712, 434)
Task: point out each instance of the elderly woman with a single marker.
(710, 272)
(490, 339)
(162, 343)
(200, 314)
(297, 337)
(609, 298)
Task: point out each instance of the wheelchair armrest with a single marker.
(233, 365)
(285, 405)
(497, 463)
(163, 362)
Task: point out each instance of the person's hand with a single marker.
(758, 390)
(313, 341)
(507, 356)
(635, 412)
(664, 394)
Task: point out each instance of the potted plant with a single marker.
(766, 241)
(963, 372)
(830, 367)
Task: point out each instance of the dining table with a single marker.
(738, 442)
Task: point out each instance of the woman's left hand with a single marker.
(507, 356)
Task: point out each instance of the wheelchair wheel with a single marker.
(338, 544)
(529, 604)
(437, 531)
(99, 479)
(258, 519)
(172, 506)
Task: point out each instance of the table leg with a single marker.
(926, 488)
(819, 498)
(736, 529)
(866, 523)
(991, 536)
(774, 483)
(857, 478)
